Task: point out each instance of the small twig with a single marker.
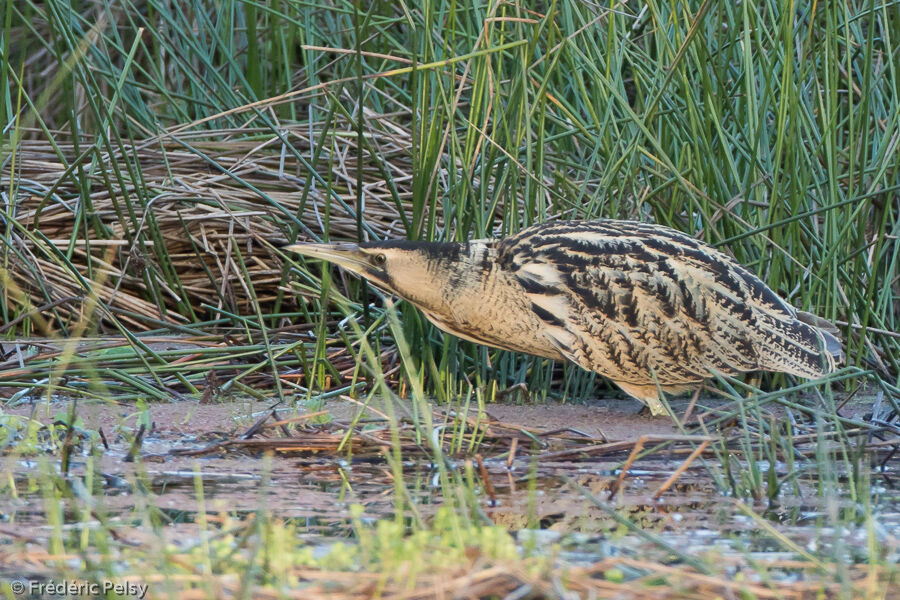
(197, 451)
(257, 425)
(519, 387)
(296, 419)
(638, 446)
(37, 311)
(136, 444)
(681, 469)
(212, 387)
(103, 438)
(513, 446)
(690, 408)
(486, 480)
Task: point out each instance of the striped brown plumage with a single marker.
(644, 305)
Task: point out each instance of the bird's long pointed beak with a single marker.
(345, 255)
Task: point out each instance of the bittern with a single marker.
(646, 306)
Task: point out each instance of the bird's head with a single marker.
(417, 271)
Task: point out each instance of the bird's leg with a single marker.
(754, 380)
(651, 407)
(648, 394)
(657, 408)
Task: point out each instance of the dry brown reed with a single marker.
(170, 234)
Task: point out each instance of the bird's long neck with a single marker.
(467, 292)
(457, 275)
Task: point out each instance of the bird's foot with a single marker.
(652, 408)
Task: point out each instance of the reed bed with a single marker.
(171, 258)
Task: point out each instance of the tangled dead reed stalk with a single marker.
(175, 228)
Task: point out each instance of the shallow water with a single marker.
(551, 493)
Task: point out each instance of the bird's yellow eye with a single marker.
(379, 259)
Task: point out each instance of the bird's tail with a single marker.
(807, 346)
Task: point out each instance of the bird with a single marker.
(646, 306)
